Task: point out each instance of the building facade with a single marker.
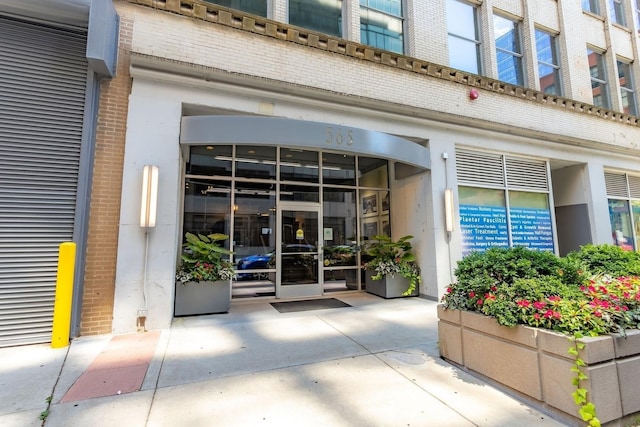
(307, 127)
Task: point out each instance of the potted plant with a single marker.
(203, 279)
(392, 271)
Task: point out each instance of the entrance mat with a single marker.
(306, 305)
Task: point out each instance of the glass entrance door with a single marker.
(298, 253)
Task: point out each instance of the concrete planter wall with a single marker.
(535, 363)
(202, 298)
(388, 287)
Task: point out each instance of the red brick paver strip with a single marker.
(119, 369)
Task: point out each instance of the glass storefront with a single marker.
(296, 219)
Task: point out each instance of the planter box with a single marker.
(202, 298)
(387, 287)
(535, 363)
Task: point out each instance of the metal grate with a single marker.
(616, 184)
(527, 174)
(43, 83)
(634, 186)
(479, 168)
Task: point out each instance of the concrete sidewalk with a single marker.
(373, 364)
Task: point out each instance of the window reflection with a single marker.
(324, 16)
(338, 169)
(257, 7)
(464, 37)
(339, 227)
(299, 165)
(207, 207)
(621, 229)
(256, 162)
(210, 160)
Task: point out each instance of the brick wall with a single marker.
(99, 283)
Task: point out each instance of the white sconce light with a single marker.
(149, 198)
(448, 209)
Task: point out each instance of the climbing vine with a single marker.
(587, 409)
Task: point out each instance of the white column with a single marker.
(152, 139)
(598, 203)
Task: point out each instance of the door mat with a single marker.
(306, 305)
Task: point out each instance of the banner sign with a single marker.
(486, 226)
(531, 228)
(483, 227)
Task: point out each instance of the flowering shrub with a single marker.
(203, 260)
(595, 306)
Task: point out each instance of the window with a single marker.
(616, 12)
(464, 37)
(590, 6)
(257, 7)
(623, 192)
(324, 16)
(381, 24)
(627, 94)
(504, 201)
(598, 79)
(508, 51)
(637, 14)
(548, 69)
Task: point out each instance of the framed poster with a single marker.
(370, 229)
(385, 202)
(385, 225)
(370, 204)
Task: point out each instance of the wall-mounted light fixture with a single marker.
(448, 209)
(149, 197)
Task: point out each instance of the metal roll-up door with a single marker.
(43, 75)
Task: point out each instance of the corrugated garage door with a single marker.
(43, 74)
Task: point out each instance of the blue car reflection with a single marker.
(253, 262)
(265, 261)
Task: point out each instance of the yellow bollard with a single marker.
(64, 294)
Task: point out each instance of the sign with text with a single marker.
(531, 228)
(483, 227)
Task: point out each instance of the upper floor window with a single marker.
(257, 7)
(324, 16)
(598, 73)
(590, 6)
(381, 24)
(548, 68)
(627, 94)
(464, 37)
(508, 50)
(616, 10)
(636, 5)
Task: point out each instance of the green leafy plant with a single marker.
(204, 260)
(607, 259)
(390, 257)
(587, 409)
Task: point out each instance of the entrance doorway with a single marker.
(299, 250)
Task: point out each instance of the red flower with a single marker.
(523, 303)
(539, 305)
(472, 294)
